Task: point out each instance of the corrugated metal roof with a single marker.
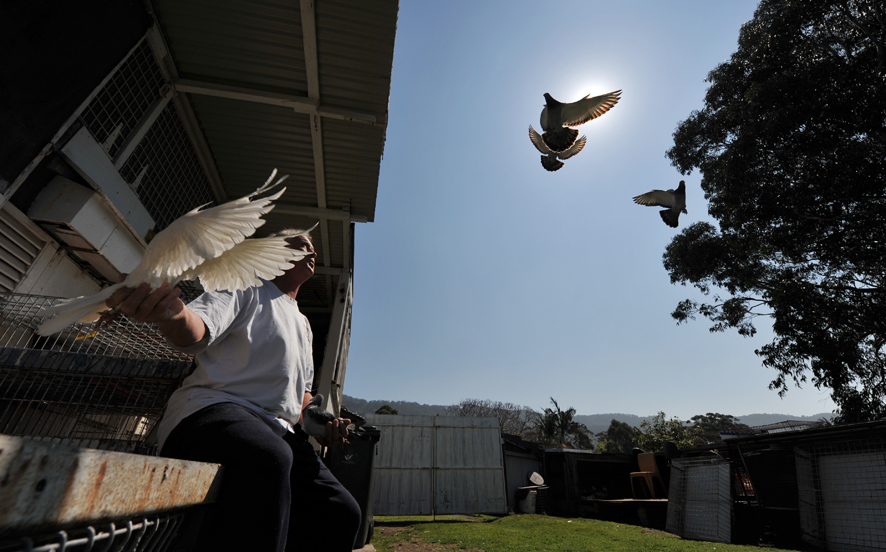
(260, 47)
(300, 86)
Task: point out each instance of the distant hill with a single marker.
(360, 406)
(600, 422)
(595, 422)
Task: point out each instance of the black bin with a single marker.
(353, 465)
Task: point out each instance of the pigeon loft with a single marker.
(98, 389)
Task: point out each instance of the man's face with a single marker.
(307, 264)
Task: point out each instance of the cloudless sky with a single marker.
(486, 276)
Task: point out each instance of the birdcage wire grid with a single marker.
(102, 388)
(154, 534)
(842, 492)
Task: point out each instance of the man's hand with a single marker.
(336, 432)
(162, 307)
(143, 305)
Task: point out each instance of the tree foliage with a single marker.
(654, 433)
(708, 426)
(619, 437)
(513, 419)
(557, 428)
(386, 409)
(791, 144)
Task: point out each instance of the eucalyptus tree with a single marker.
(791, 145)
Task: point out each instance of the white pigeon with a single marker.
(209, 244)
(674, 200)
(557, 117)
(549, 159)
(314, 417)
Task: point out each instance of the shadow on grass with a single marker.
(414, 521)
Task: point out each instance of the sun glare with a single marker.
(579, 90)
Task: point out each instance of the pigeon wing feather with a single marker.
(200, 235)
(576, 147)
(580, 112)
(241, 266)
(538, 142)
(660, 198)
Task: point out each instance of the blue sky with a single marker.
(485, 276)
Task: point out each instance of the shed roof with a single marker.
(298, 86)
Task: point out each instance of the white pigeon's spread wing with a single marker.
(538, 142)
(660, 198)
(586, 109)
(243, 265)
(203, 234)
(576, 147)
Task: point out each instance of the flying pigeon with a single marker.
(549, 159)
(674, 200)
(556, 117)
(209, 244)
(314, 417)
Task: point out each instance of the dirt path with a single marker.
(409, 543)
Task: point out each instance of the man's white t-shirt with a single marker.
(258, 354)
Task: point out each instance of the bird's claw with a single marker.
(106, 318)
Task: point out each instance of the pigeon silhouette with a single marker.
(209, 244)
(674, 200)
(557, 117)
(551, 159)
(314, 417)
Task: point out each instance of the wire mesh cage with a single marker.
(842, 491)
(700, 499)
(102, 389)
(121, 103)
(154, 534)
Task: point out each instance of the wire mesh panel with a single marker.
(165, 172)
(119, 106)
(842, 488)
(700, 499)
(163, 169)
(139, 535)
(95, 388)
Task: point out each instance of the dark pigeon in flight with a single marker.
(551, 159)
(558, 117)
(674, 200)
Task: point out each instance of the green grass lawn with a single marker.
(529, 533)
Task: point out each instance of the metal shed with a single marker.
(438, 465)
(159, 106)
(824, 485)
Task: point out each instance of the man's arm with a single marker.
(182, 326)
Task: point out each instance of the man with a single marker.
(241, 408)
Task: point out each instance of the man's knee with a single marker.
(352, 515)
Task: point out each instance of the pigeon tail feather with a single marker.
(670, 217)
(66, 305)
(81, 309)
(560, 139)
(551, 163)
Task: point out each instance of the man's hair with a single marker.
(291, 232)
